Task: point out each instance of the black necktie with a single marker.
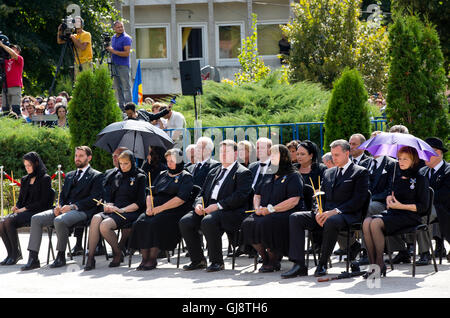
(77, 176)
(374, 167)
(339, 175)
(355, 161)
(222, 173)
(262, 164)
(197, 168)
(431, 173)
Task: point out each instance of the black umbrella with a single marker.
(136, 135)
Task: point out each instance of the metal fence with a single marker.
(278, 133)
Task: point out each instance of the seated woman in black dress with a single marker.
(36, 195)
(154, 163)
(157, 229)
(127, 196)
(309, 166)
(409, 199)
(277, 197)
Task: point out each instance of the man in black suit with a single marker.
(438, 172)
(260, 167)
(203, 150)
(76, 204)
(357, 155)
(346, 187)
(219, 207)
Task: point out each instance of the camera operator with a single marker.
(14, 84)
(120, 58)
(82, 44)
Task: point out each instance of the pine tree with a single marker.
(91, 109)
(416, 86)
(348, 112)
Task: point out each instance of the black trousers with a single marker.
(213, 226)
(301, 221)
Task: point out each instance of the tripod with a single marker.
(74, 52)
(108, 60)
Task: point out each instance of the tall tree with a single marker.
(33, 25)
(348, 112)
(415, 95)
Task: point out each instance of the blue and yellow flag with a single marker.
(138, 96)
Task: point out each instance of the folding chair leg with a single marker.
(168, 256)
(70, 250)
(432, 251)
(85, 245)
(388, 247)
(106, 250)
(50, 245)
(414, 255)
(348, 251)
(179, 251)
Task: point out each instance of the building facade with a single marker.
(165, 32)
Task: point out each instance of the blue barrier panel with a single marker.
(278, 133)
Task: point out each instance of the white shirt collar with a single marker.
(230, 166)
(358, 159)
(84, 169)
(438, 166)
(349, 162)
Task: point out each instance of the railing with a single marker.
(278, 133)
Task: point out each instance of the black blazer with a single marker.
(108, 179)
(440, 182)
(89, 187)
(347, 194)
(253, 167)
(235, 189)
(380, 181)
(38, 197)
(200, 174)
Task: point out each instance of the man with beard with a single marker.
(76, 204)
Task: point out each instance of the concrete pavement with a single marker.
(169, 282)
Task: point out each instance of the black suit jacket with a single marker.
(200, 174)
(89, 187)
(38, 197)
(253, 167)
(233, 194)
(440, 182)
(362, 162)
(380, 181)
(347, 194)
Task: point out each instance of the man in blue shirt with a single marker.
(120, 57)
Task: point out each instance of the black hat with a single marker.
(435, 142)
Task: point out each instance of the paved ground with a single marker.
(169, 282)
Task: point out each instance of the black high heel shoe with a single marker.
(90, 265)
(382, 272)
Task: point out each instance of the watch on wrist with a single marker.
(270, 208)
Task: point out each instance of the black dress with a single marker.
(154, 170)
(316, 171)
(413, 190)
(273, 230)
(36, 197)
(162, 229)
(127, 188)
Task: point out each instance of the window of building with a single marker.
(230, 37)
(268, 37)
(152, 42)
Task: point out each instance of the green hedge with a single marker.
(17, 138)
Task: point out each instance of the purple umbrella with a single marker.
(388, 144)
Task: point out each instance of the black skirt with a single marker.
(120, 222)
(397, 220)
(21, 219)
(159, 231)
(271, 230)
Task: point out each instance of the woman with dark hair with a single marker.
(61, 112)
(292, 147)
(309, 166)
(127, 196)
(277, 196)
(408, 201)
(155, 162)
(157, 229)
(36, 195)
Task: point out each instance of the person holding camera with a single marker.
(12, 87)
(82, 45)
(120, 57)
